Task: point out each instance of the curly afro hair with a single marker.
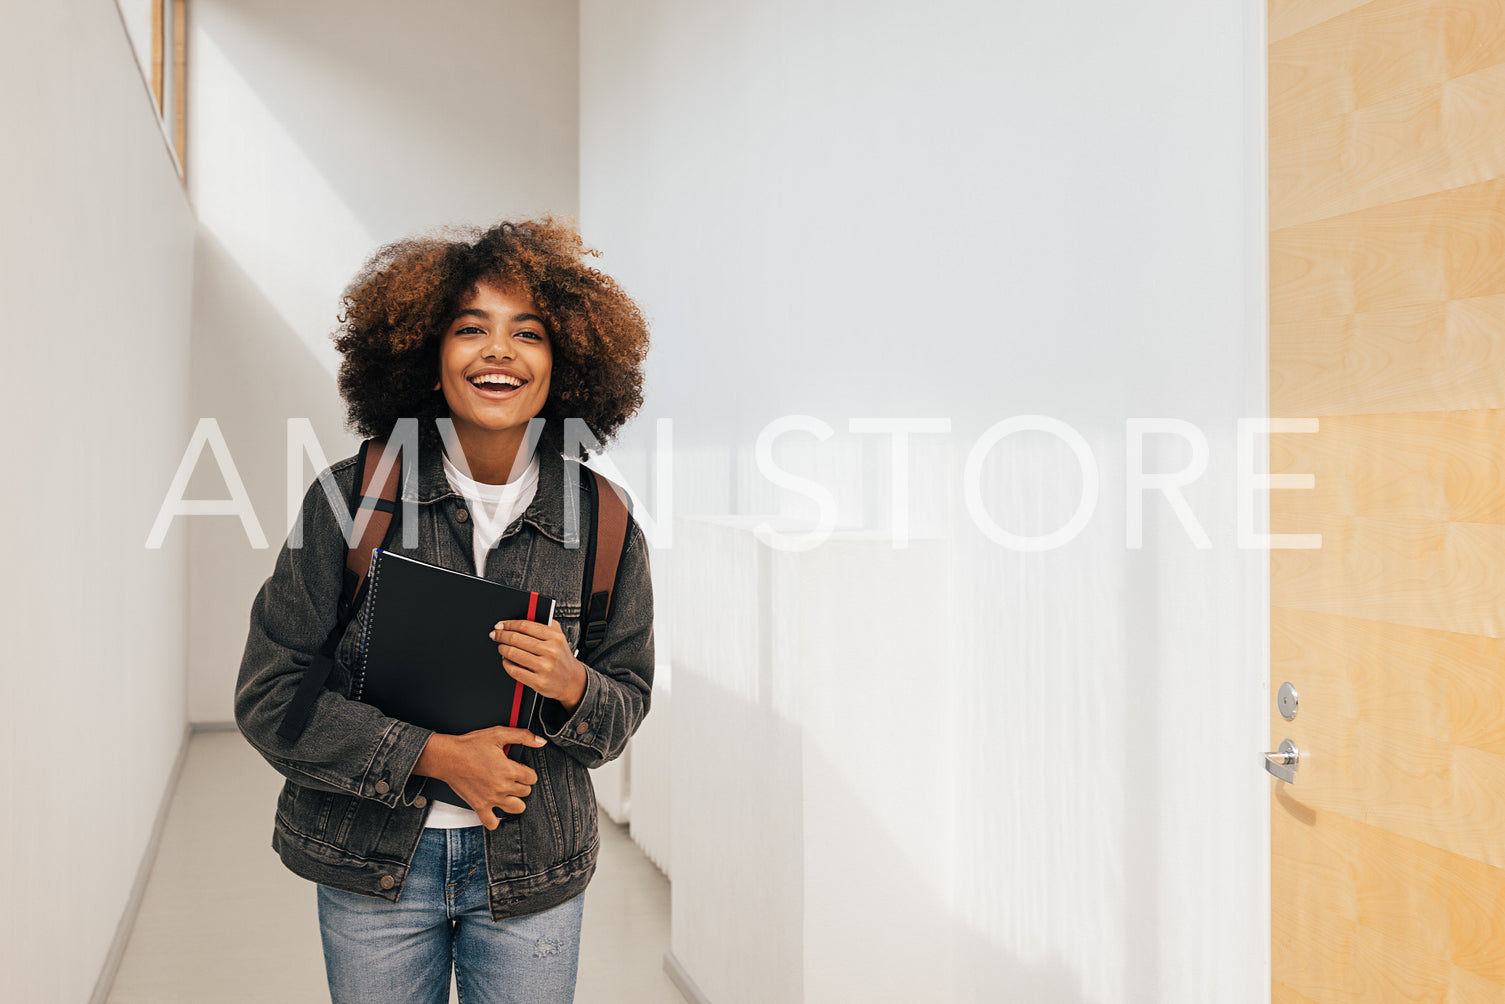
(399, 304)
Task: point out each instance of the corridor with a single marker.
(250, 933)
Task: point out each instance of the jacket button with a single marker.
(388, 881)
(462, 515)
(382, 787)
(420, 802)
(582, 728)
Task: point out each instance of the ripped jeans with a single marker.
(401, 953)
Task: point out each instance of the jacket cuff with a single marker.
(390, 776)
(580, 728)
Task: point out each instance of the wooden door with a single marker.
(1387, 324)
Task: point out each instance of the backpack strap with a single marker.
(603, 555)
(377, 511)
(373, 519)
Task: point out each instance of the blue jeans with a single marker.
(400, 953)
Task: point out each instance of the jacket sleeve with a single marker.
(347, 746)
(619, 677)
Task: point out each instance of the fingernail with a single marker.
(538, 740)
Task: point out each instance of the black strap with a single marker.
(302, 705)
(609, 518)
(589, 634)
(352, 593)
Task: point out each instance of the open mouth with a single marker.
(497, 385)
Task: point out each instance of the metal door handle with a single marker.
(1283, 762)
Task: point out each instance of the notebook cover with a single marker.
(426, 655)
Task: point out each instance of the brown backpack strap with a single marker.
(608, 538)
(373, 514)
(373, 517)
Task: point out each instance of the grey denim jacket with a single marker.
(350, 814)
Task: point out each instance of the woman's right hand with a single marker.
(476, 765)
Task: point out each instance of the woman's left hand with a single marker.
(540, 657)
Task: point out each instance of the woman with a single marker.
(491, 343)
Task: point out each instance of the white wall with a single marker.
(137, 15)
(970, 211)
(316, 133)
(95, 266)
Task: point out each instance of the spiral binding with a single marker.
(360, 681)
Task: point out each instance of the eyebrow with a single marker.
(483, 315)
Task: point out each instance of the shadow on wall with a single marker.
(761, 913)
(251, 372)
(954, 765)
(844, 826)
(413, 112)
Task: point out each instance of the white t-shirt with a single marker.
(492, 510)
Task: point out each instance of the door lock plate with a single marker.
(1286, 701)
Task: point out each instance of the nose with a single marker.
(499, 346)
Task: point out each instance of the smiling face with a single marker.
(494, 367)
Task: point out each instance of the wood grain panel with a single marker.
(1429, 357)
(1325, 951)
(1475, 35)
(1443, 246)
(179, 113)
(1405, 784)
(1444, 576)
(1401, 728)
(157, 55)
(1465, 987)
(1476, 914)
(1287, 17)
(1387, 308)
(1442, 466)
(1359, 160)
(1370, 157)
(1350, 55)
(1439, 684)
(1378, 259)
(1284, 994)
(1372, 54)
(1413, 923)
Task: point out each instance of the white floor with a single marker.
(187, 947)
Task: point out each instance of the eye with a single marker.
(528, 333)
(470, 329)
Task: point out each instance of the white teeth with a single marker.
(497, 378)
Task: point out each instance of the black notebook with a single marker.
(426, 655)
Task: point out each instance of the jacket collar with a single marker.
(554, 509)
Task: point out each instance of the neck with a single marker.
(491, 455)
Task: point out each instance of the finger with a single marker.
(509, 789)
(512, 806)
(526, 677)
(488, 819)
(516, 779)
(532, 628)
(523, 642)
(534, 661)
(503, 735)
